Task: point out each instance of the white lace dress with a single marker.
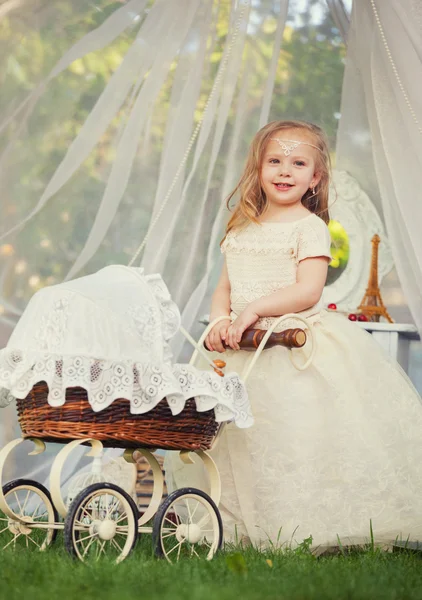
(333, 448)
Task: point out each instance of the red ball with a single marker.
(362, 318)
(332, 306)
(353, 317)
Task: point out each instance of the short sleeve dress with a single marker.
(335, 449)
(263, 258)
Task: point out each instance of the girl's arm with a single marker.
(310, 281)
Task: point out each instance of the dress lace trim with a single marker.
(255, 240)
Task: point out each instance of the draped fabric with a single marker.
(380, 131)
(340, 16)
(165, 97)
(186, 66)
(153, 147)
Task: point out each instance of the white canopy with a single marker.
(108, 334)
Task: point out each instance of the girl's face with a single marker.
(285, 179)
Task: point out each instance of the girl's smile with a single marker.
(283, 186)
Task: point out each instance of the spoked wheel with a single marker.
(102, 520)
(31, 501)
(188, 523)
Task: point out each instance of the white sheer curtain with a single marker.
(380, 132)
(189, 61)
(340, 16)
(203, 66)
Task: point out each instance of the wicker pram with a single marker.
(89, 363)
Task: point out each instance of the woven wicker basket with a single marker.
(114, 426)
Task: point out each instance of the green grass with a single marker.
(243, 574)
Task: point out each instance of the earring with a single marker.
(313, 190)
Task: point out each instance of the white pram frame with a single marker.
(103, 519)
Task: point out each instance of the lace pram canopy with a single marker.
(108, 333)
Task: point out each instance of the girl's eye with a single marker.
(299, 163)
(274, 161)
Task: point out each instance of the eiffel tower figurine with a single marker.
(372, 305)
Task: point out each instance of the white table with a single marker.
(395, 338)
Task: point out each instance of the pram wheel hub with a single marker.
(20, 527)
(191, 533)
(106, 529)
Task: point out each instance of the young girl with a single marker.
(336, 448)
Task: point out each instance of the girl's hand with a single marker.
(234, 334)
(217, 335)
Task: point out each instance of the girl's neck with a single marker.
(285, 214)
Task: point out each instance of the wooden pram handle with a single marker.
(251, 338)
(289, 338)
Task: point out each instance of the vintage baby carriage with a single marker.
(89, 363)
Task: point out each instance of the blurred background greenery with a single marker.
(339, 250)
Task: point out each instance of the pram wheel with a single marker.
(31, 501)
(188, 523)
(102, 519)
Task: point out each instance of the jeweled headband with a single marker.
(289, 145)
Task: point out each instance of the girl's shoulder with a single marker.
(270, 237)
(314, 238)
(313, 225)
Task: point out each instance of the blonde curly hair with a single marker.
(253, 202)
